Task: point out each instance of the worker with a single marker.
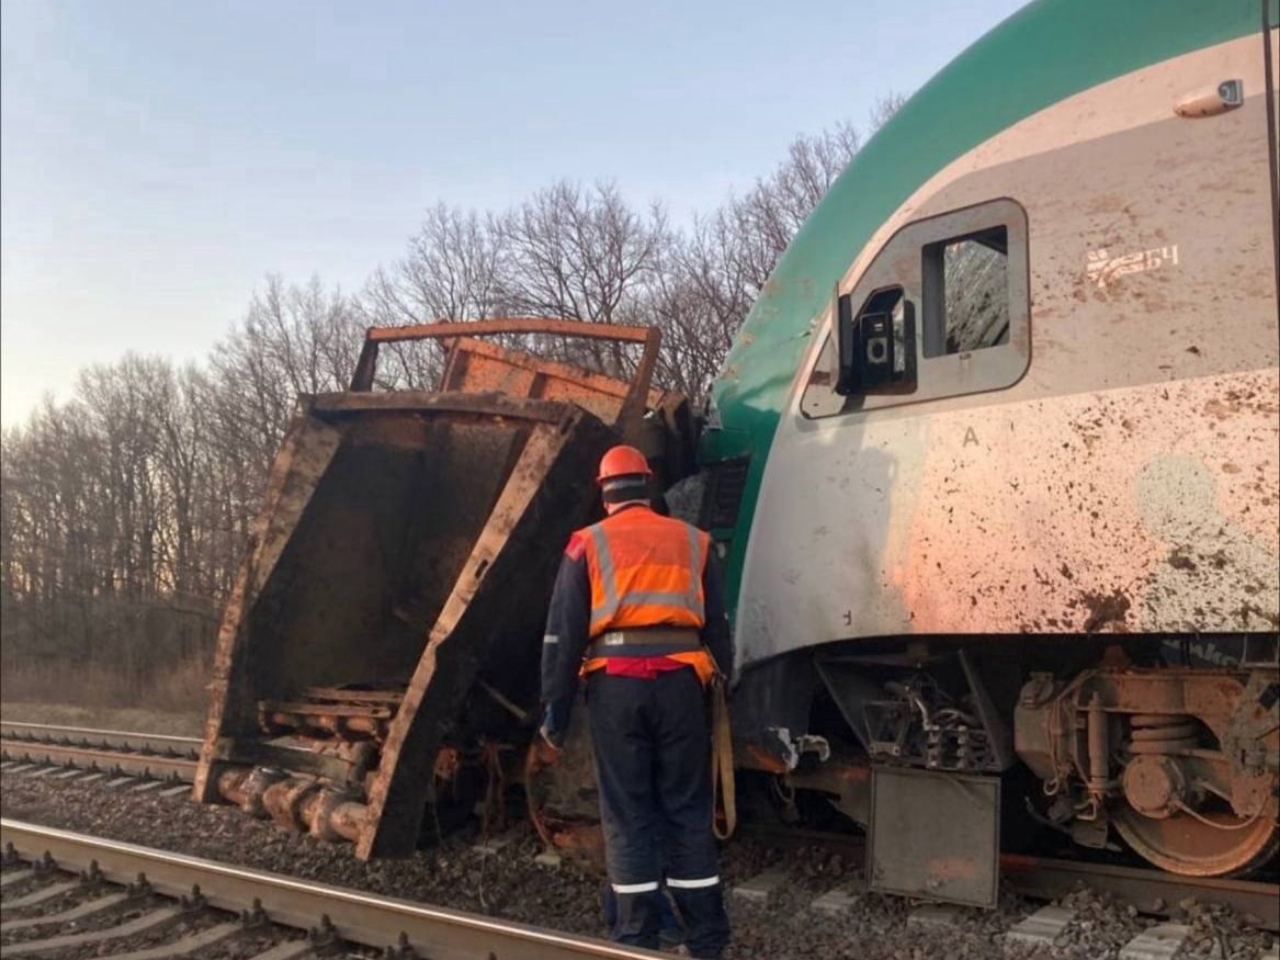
(638, 609)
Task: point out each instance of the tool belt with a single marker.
(645, 642)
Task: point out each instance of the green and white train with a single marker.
(995, 459)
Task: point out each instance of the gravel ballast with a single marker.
(509, 884)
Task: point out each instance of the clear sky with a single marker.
(158, 158)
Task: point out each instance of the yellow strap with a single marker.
(722, 785)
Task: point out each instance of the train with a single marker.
(993, 466)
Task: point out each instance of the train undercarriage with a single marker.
(947, 754)
(1100, 743)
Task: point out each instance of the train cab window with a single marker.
(966, 293)
(949, 295)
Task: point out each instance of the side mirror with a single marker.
(878, 345)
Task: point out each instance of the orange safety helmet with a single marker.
(623, 461)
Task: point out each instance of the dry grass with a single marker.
(172, 701)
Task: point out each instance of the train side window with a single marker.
(965, 276)
(966, 293)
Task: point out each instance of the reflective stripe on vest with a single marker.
(629, 595)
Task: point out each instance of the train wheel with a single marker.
(1211, 844)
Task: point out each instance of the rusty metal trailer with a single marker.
(385, 627)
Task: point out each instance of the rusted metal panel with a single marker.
(499, 595)
(512, 325)
(373, 560)
(332, 718)
(308, 448)
(343, 694)
(477, 367)
(637, 393)
(327, 709)
(935, 835)
(482, 406)
(387, 629)
(417, 510)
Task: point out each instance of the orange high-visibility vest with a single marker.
(645, 571)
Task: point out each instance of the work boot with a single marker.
(706, 922)
(639, 919)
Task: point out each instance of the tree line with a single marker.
(125, 508)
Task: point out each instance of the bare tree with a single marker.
(450, 271)
(293, 340)
(698, 297)
(884, 108)
(714, 275)
(581, 254)
(124, 512)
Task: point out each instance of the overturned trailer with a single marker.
(384, 632)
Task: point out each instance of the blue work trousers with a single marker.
(652, 753)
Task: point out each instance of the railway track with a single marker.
(153, 756)
(1049, 878)
(328, 914)
(33, 748)
(1150, 891)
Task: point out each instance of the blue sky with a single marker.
(158, 158)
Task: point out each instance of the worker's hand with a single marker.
(549, 734)
(547, 748)
(552, 740)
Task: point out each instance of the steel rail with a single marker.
(1150, 891)
(134, 754)
(362, 918)
(108, 761)
(11, 730)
